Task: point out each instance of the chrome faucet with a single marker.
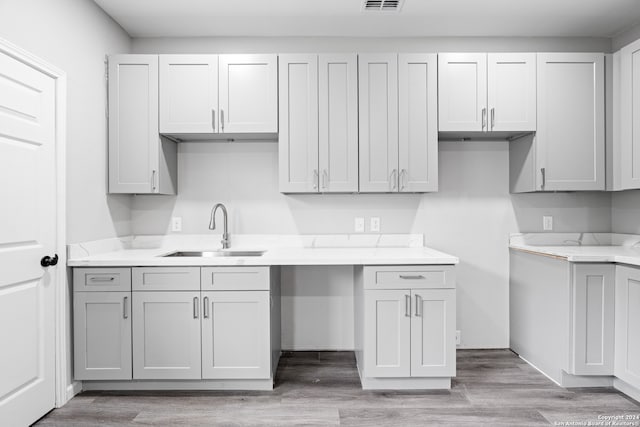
(212, 224)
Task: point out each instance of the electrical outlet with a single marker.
(547, 222)
(375, 224)
(359, 224)
(176, 223)
(458, 337)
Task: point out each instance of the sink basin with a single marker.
(216, 253)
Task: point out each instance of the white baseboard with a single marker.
(627, 389)
(73, 389)
(573, 381)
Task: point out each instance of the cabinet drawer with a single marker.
(235, 278)
(407, 277)
(101, 279)
(166, 278)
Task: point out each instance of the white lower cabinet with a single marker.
(627, 325)
(102, 335)
(166, 335)
(236, 335)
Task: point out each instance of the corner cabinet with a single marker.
(627, 325)
(482, 92)
(398, 123)
(318, 110)
(218, 94)
(140, 160)
(405, 326)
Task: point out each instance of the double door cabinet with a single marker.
(175, 323)
(405, 324)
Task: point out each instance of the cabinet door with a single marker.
(433, 333)
(248, 93)
(418, 122)
(387, 333)
(236, 339)
(462, 91)
(511, 91)
(570, 137)
(188, 93)
(627, 325)
(593, 319)
(166, 335)
(298, 115)
(338, 122)
(133, 124)
(378, 122)
(102, 335)
(630, 116)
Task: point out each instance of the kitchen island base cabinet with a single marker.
(405, 338)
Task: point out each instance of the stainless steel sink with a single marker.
(216, 253)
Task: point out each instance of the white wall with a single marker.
(75, 35)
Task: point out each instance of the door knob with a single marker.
(47, 261)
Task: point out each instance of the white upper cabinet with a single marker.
(298, 115)
(627, 148)
(570, 140)
(481, 92)
(338, 122)
(462, 86)
(378, 115)
(188, 93)
(212, 94)
(511, 92)
(248, 93)
(140, 161)
(418, 122)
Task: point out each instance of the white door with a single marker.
(27, 233)
(418, 122)
(236, 339)
(102, 335)
(188, 93)
(378, 122)
(462, 91)
(593, 319)
(511, 91)
(433, 333)
(338, 122)
(627, 325)
(387, 336)
(570, 146)
(248, 88)
(166, 335)
(630, 115)
(134, 144)
(298, 129)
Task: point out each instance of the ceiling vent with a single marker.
(382, 5)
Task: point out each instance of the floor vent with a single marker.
(382, 5)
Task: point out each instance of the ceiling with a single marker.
(508, 18)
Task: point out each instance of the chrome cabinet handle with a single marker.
(403, 179)
(316, 178)
(394, 179)
(418, 304)
(222, 119)
(411, 276)
(213, 119)
(493, 117)
(484, 118)
(102, 279)
(205, 307)
(325, 176)
(153, 180)
(125, 313)
(407, 305)
(195, 308)
(543, 172)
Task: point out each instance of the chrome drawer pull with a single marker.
(102, 279)
(411, 276)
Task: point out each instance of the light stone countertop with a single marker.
(596, 247)
(280, 250)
